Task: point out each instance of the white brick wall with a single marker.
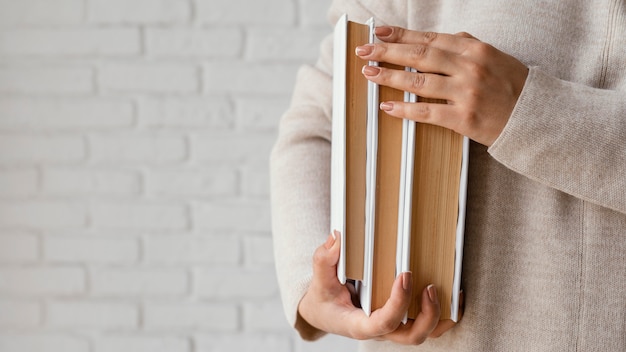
(134, 200)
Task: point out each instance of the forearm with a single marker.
(570, 137)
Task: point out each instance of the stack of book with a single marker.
(398, 188)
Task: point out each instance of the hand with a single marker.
(480, 83)
(328, 306)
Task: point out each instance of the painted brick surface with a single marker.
(134, 189)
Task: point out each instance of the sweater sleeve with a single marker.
(300, 174)
(570, 137)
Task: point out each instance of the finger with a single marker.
(465, 35)
(449, 42)
(423, 58)
(423, 84)
(445, 325)
(387, 318)
(325, 261)
(416, 331)
(435, 114)
(442, 327)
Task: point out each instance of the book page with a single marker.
(387, 185)
(437, 172)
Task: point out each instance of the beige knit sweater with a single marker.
(545, 248)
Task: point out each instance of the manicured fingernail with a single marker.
(383, 31)
(432, 293)
(407, 279)
(371, 70)
(364, 50)
(386, 106)
(329, 241)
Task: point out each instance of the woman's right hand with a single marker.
(328, 305)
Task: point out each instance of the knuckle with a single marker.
(429, 37)
(421, 112)
(482, 50)
(418, 51)
(418, 80)
(319, 257)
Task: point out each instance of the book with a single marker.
(398, 188)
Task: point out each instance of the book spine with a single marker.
(338, 145)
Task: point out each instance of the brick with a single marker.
(313, 13)
(38, 12)
(41, 281)
(181, 249)
(258, 251)
(90, 250)
(137, 149)
(233, 215)
(269, 12)
(31, 149)
(18, 182)
(19, 314)
(232, 148)
(235, 283)
(43, 342)
(193, 183)
(51, 80)
(185, 42)
(139, 216)
(91, 182)
(168, 112)
(18, 248)
(250, 78)
(264, 317)
(134, 282)
(138, 11)
(141, 343)
(148, 77)
(255, 181)
(91, 315)
(330, 342)
(244, 343)
(42, 214)
(197, 316)
(19, 113)
(280, 45)
(70, 42)
(260, 114)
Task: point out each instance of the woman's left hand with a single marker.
(480, 83)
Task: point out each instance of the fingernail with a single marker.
(386, 106)
(364, 50)
(383, 31)
(432, 293)
(335, 234)
(370, 70)
(329, 241)
(407, 279)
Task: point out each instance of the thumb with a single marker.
(325, 260)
